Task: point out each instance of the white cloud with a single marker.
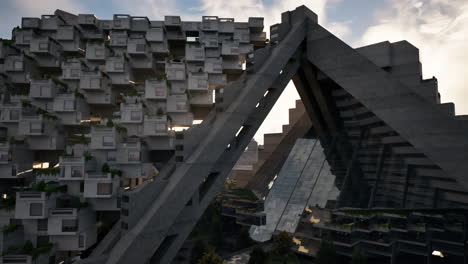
(439, 28)
(38, 8)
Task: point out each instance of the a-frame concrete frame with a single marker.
(162, 213)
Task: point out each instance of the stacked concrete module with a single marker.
(89, 109)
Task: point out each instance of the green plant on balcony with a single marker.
(58, 82)
(105, 168)
(78, 94)
(110, 123)
(47, 171)
(46, 114)
(160, 112)
(48, 188)
(6, 229)
(116, 173)
(15, 141)
(82, 205)
(88, 156)
(120, 129)
(26, 103)
(74, 139)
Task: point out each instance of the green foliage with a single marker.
(358, 258)
(243, 194)
(326, 254)
(110, 123)
(87, 156)
(258, 256)
(26, 103)
(73, 139)
(8, 203)
(6, 229)
(47, 171)
(46, 114)
(116, 172)
(105, 168)
(282, 243)
(48, 188)
(160, 112)
(82, 205)
(15, 141)
(198, 250)
(28, 247)
(210, 258)
(120, 129)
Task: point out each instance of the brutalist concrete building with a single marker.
(92, 112)
(89, 110)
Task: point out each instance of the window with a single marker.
(69, 104)
(69, 225)
(160, 92)
(35, 209)
(99, 52)
(95, 83)
(74, 73)
(108, 141)
(76, 172)
(18, 65)
(14, 114)
(62, 172)
(133, 156)
(111, 156)
(35, 127)
(104, 188)
(118, 66)
(44, 91)
(140, 47)
(42, 224)
(135, 115)
(5, 156)
(43, 46)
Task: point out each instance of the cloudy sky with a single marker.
(439, 28)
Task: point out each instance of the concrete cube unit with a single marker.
(33, 205)
(213, 52)
(140, 24)
(230, 48)
(103, 137)
(202, 99)
(97, 51)
(71, 69)
(191, 27)
(232, 64)
(194, 52)
(118, 70)
(87, 20)
(30, 22)
(94, 81)
(214, 65)
(122, 22)
(256, 24)
(242, 35)
(138, 47)
(155, 125)
(71, 168)
(32, 125)
(172, 22)
(155, 34)
(198, 81)
(131, 113)
(43, 89)
(23, 37)
(178, 87)
(72, 229)
(118, 38)
(210, 23)
(226, 25)
(217, 80)
(15, 160)
(71, 109)
(209, 39)
(177, 103)
(156, 89)
(67, 33)
(175, 70)
(50, 22)
(129, 152)
(100, 185)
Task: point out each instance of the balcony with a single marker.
(23, 37)
(33, 205)
(31, 125)
(71, 70)
(155, 89)
(17, 259)
(232, 64)
(30, 22)
(42, 89)
(155, 34)
(198, 81)
(175, 71)
(230, 48)
(63, 221)
(155, 126)
(138, 47)
(69, 38)
(10, 114)
(214, 65)
(87, 20)
(121, 22)
(177, 103)
(45, 46)
(217, 80)
(202, 99)
(194, 52)
(210, 23)
(209, 39)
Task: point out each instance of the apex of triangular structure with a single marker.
(298, 14)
